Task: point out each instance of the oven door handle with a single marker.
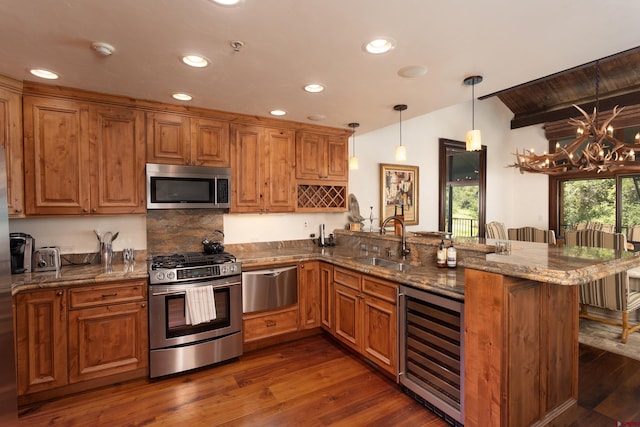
(159, 294)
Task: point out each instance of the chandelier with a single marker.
(595, 149)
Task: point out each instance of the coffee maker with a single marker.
(22, 246)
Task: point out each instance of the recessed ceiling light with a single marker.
(314, 87)
(379, 45)
(227, 2)
(277, 112)
(195, 61)
(182, 96)
(44, 74)
(412, 71)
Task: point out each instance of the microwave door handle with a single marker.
(215, 190)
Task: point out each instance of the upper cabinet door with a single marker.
(210, 143)
(117, 157)
(280, 194)
(56, 150)
(11, 140)
(168, 139)
(321, 157)
(338, 158)
(310, 156)
(247, 185)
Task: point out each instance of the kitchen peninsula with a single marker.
(520, 316)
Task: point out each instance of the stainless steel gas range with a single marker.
(195, 311)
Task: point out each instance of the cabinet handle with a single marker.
(18, 210)
(270, 323)
(143, 305)
(115, 294)
(59, 293)
(94, 210)
(85, 210)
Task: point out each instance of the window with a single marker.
(462, 189)
(613, 200)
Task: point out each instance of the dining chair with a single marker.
(496, 230)
(532, 234)
(611, 292)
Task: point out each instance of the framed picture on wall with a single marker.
(399, 192)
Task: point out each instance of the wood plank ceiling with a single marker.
(551, 98)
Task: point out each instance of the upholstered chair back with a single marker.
(532, 234)
(496, 230)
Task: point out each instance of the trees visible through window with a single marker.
(613, 201)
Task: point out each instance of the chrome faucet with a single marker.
(405, 250)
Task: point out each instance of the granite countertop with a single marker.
(77, 275)
(561, 265)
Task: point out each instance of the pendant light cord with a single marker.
(401, 128)
(597, 91)
(473, 106)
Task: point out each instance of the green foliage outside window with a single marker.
(595, 200)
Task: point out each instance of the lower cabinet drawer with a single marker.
(92, 296)
(263, 325)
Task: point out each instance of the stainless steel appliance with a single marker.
(8, 388)
(188, 187)
(269, 289)
(46, 259)
(177, 344)
(22, 246)
(432, 352)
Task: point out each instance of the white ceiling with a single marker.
(289, 43)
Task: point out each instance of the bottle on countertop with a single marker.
(452, 256)
(441, 255)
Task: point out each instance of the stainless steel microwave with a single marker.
(188, 187)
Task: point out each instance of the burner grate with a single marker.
(190, 259)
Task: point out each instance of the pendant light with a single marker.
(353, 160)
(474, 140)
(401, 151)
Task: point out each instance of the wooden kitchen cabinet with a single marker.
(117, 160)
(181, 140)
(80, 337)
(82, 158)
(366, 316)
(326, 297)
(107, 330)
(309, 294)
(262, 168)
(56, 154)
(257, 326)
(41, 340)
(320, 156)
(11, 140)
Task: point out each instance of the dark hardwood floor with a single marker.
(310, 382)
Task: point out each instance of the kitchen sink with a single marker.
(387, 263)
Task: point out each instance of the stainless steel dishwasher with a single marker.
(269, 289)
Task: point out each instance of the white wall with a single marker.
(513, 198)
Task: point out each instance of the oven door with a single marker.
(167, 315)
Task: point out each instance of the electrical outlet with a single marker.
(306, 225)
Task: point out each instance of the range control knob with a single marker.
(171, 275)
(224, 269)
(160, 276)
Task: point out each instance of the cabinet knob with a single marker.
(94, 210)
(85, 210)
(59, 293)
(270, 323)
(143, 305)
(18, 210)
